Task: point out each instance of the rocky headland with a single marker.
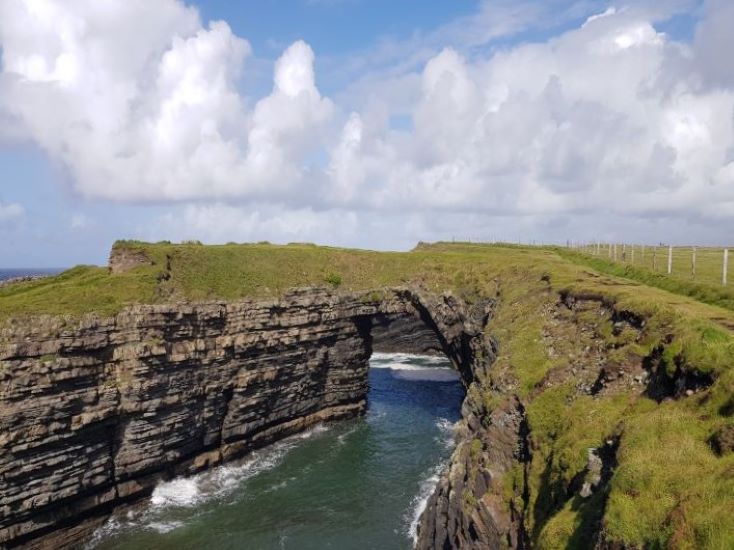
(577, 385)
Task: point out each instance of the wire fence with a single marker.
(709, 265)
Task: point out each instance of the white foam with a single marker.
(186, 492)
(278, 486)
(222, 480)
(177, 492)
(420, 501)
(342, 438)
(315, 430)
(447, 436)
(409, 362)
(163, 527)
(428, 485)
(110, 527)
(408, 357)
(404, 366)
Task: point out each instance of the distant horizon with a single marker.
(532, 243)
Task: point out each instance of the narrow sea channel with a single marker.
(358, 484)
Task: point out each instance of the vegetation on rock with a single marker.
(626, 377)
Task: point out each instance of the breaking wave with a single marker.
(187, 492)
(420, 501)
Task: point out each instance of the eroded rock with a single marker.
(94, 414)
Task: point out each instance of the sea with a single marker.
(358, 484)
(6, 274)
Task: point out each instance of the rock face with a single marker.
(124, 259)
(96, 414)
(403, 334)
(474, 482)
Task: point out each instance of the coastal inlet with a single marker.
(356, 484)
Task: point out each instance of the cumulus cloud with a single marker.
(713, 38)
(608, 117)
(219, 223)
(610, 122)
(10, 212)
(140, 102)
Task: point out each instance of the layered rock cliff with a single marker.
(93, 414)
(516, 474)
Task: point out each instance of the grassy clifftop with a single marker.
(193, 272)
(559, 319)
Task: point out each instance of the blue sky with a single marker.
(331, 27)
(388, 123)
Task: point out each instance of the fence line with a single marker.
(670, 260)
(726, 266)
(703, 262)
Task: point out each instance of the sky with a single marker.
(362, 123)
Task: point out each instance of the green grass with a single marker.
(664, 448)
(83, 289)
(705, 287)
(670, 488)
(191, 272)
(708, 266)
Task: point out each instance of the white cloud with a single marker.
(10, 212)
(140, 102)
(611, 122)
(218, 223)
(713, 43)
(402, 229)
(604, 118)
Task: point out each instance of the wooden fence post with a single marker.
(726, 266)
(615, 252)
(624, 252)
(670, 259)
(693, 263)
(632, 255)
(654, 259)
(609, 250)
(642, 253)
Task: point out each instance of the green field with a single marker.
(670, 487)
(709, 261)
(649, 265)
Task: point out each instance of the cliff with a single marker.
(95, 415)
(588, 412)
(599, 411)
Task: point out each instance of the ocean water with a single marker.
(23, 272)
(358, 484)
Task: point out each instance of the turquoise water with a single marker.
(358, 484)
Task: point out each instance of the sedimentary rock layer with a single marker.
(95, 413)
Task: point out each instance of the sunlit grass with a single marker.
(669, 489)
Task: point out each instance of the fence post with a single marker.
(609, 250)
(643, 255)
(632, 255)
(670, 259)
(624, 252)
(654, 259)
(615, 252)
(726, 266)
(693, 263)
